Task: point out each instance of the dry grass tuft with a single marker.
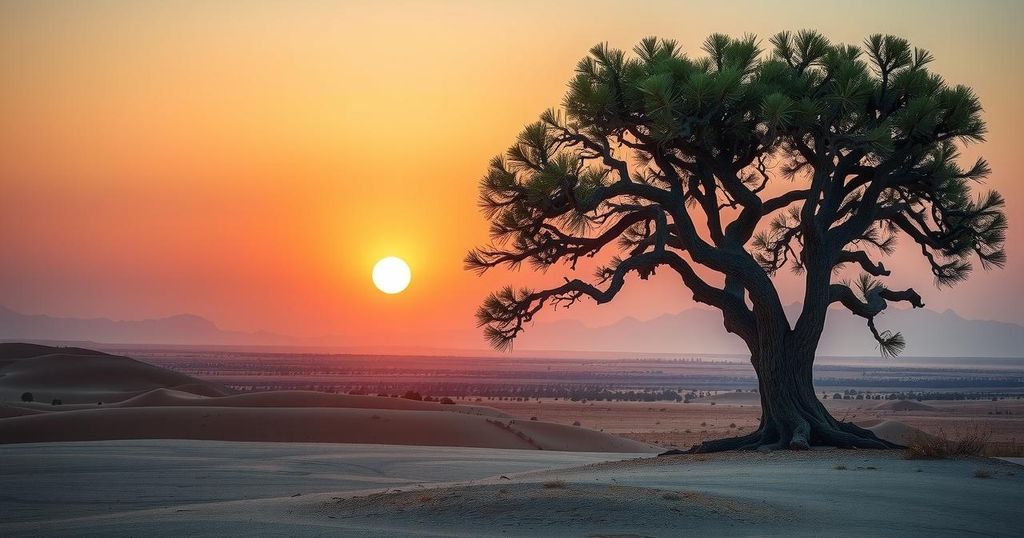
(963, 444)
(555, 484)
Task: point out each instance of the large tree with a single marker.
(728, 167)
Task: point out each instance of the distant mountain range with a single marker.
(184, 329)
(692, 331)
(699, 330)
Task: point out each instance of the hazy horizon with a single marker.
(693, 331)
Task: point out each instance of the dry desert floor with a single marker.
(210, 488)
(681, 425)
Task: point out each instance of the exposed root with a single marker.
(841, 435)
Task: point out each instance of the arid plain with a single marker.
(301, 444)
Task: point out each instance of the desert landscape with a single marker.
(179, 454)
(496, 403)
(132, 400)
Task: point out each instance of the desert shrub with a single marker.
(672, 496)
(555, 484)
(982, 473)
(963, 444)
(733, 425)
(576, 423)
(428, 399)
(533, 418)
(27, 397)
(412, 395)
(57, 401)
(839, 467)
(447, 401)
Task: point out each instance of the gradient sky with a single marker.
(250, 161)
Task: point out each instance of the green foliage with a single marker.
(785, 110)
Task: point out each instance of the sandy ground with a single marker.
(107, 397)
(297, 416)
(175, 488)
(679, 425)
(50, 487)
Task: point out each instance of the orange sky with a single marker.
(250, 161)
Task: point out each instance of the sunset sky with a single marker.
(250, 161)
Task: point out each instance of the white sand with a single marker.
(173, 488)
(51, 485)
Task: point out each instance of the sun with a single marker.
(391, 275)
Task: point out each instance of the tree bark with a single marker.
(792, 417)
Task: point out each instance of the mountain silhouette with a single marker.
(179, 329)
(695, 330)
(698, 330)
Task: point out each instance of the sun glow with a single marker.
(391, 275)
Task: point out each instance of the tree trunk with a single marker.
(791, 415)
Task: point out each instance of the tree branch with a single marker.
(860, 257)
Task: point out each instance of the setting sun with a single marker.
(391, 275)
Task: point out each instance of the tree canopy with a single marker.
(747, 159)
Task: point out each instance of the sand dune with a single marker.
(141, 401)
(893, 431)
(183, 488)
(17, 411)
(58, 481)
(298, 398)
(905, 405)
(76, 375)
(12, 351)
(796, 494)
(309, 424)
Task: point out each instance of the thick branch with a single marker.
(860, 257)
(875, 300)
